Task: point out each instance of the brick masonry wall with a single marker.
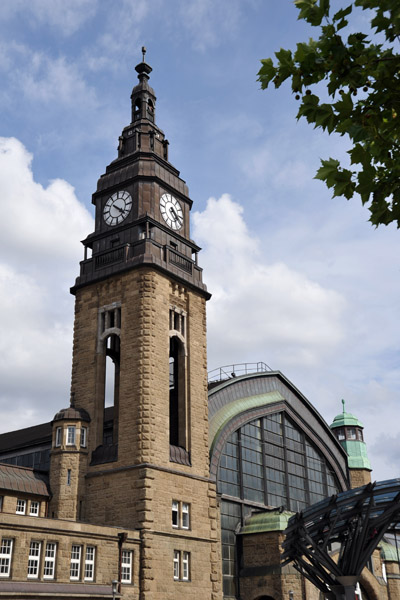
(359, 477)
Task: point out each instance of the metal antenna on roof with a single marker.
(343, 406)
(143, 52)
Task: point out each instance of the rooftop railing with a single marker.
(236, 370)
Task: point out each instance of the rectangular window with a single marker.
(185, 566)
(21, 507)
(33, 560)
(71, 435)
(5, 557)
(89, 563)
(34, 509)
(58, 436)
(83, 437)
(180, 514)
(49, 561)
(126, 566)
(69, 477)
(175, 513)
(75, 566)
(1, 503)
(185, 515)
(177, 557)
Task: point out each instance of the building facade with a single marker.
(153, 478)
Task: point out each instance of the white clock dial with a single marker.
(171, 211)
(117, 208)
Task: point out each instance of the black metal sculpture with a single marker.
(330, 542)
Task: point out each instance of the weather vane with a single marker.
(143, 52)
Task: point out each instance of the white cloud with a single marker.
(65, 17)
(209, 22)
(39, 255)
(46, 79)
(261, 309)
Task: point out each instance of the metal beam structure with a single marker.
(331, 542)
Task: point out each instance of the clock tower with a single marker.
(139, 366)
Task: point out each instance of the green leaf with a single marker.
(359, 155)
(328, 171)
(341, 14)
(344, 186)
(266, 73)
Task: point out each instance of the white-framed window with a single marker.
(126, 566)
(89, 563)
(34, 508)
(75, 566)
(33, 560)
(185, 566)
(5, 557)
(58, 437)
(351, 433)
(185, 515)
(83, 437)
(180, 514)
(177, 564)
(49, 560)
(175, 513)
(181, 565)
(21, 507)
(71, 435)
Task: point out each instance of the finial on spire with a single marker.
(343, 402)
(144, 52)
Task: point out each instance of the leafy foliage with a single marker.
(363, 85)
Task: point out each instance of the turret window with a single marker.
(58, 436)
(71, 435)
(83, 437)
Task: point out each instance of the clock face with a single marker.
(117, 208)
(171, 211)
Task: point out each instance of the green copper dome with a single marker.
(345, 419)
(347, 429)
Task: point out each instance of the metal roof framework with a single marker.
(354, 522)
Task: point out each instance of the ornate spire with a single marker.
(143, 69)
(143, 97)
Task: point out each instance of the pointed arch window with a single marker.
(178, 409)
(110, 349)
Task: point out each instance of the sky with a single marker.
(299, 280)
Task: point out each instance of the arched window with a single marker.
(111, 387)
(137, 109)
(177, 393)
(268, 462)
(150, 110)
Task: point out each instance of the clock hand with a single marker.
(179, 219)
(121, 210)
